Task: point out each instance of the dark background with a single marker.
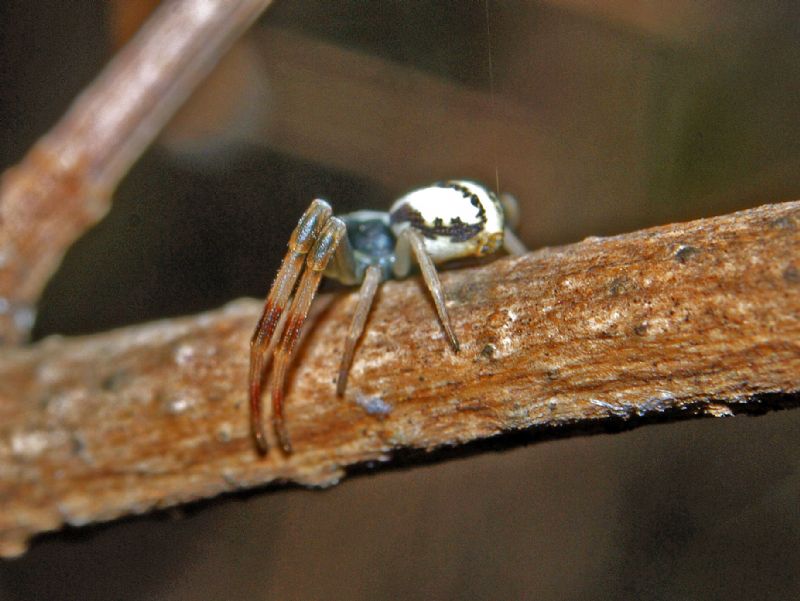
(638, 115)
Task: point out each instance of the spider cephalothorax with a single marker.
(448, 220)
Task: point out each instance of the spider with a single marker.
(445, 221)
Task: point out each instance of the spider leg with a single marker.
(413, 239)
(342, 266)
(510, 209)
(318, 258)
(372, 278)
(270, 325)
(512, 244)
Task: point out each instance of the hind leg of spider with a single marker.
(372, 279)
(410, 240)
(512, 244)
(271, 322)
(318, 258)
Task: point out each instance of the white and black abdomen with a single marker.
(457, 218)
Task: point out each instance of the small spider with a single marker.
(448, 220)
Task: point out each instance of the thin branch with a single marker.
(689, 319)
(64, 185)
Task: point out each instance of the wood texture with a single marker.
(691, 319)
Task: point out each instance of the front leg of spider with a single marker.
(270, 324)
(324, 248)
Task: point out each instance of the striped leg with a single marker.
(270, 325)
(318, 259)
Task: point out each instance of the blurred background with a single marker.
(600, 118)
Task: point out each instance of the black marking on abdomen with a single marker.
(456, 230)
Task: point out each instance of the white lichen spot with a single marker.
(29, 445)
(666, 395)
(75, 511)
(659, 325)
(504, 342)
(603, 322)
(67, 402)
(184, 354)
(179, 403)
(373, 405)
(518, 413)
(49, 373)
(231, 479)
(618, 410)
(437, 335)
(504, 346)
(603, 404)
(24, 316)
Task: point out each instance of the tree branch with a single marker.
(64, 185)
(691, 319)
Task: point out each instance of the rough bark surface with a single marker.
(687, 319)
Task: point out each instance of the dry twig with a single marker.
(690, 319)
(64, 184)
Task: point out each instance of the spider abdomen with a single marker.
(457, 218)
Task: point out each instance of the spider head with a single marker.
(372, 241)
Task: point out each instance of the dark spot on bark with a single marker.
(684, 253)
(640, 329)
(553, 374)
(77, 444)
(792, 275)
(620, 285)
(783, 223)
(115, 380)
(487, 352)
(224, 434)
